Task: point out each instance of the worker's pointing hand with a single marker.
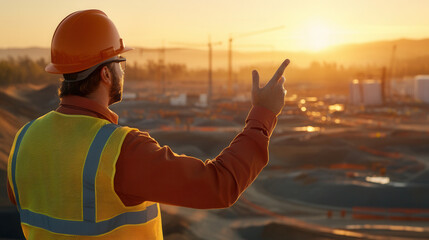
(271, 96)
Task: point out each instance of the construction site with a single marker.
(354, 163)
(352, 166)
(349, 159)
(349, 166)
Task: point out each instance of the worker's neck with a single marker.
(101, 96)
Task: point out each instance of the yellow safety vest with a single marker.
(62, 169)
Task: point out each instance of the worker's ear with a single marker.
(105, 76)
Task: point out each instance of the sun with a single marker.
(318, 36)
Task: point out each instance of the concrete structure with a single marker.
(355, 93)
(422, 88)
(179, 100)
(372, 93)
(203, 101)
(183, 99)
(367, 93)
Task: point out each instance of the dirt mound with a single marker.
(14, 113)
(46, 99)
(21, 89)
(176, 227)
(274, 231)
(337, 192)
(17, 107)
(9, 126)
(351, 147)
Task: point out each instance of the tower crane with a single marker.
(210, 45)
(391, 72)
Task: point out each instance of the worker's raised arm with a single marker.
(149, 172)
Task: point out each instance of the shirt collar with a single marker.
(86, 106)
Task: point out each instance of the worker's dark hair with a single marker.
(84, 87)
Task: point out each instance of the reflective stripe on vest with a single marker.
(88, 226)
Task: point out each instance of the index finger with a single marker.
(280, 70)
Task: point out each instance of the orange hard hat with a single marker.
(84, 39)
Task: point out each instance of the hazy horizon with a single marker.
(377, 52)
(307, 25)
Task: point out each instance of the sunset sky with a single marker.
(309, 25)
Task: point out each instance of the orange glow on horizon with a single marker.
(309, 25)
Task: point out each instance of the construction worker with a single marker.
(74, 173)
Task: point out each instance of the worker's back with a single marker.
(62, 169)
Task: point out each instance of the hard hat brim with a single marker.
(68, 68)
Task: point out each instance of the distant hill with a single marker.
(361, 54)
(379, 53)
(34, 53)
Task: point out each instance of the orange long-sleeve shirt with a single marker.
(145, 171)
